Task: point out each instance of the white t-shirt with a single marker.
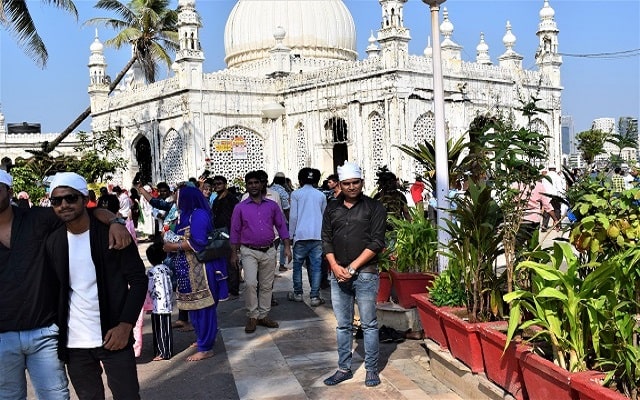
(84, 309)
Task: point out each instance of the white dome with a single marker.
(547, 12)
(314, 29)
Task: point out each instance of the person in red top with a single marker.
(93, 201)
(416, 190)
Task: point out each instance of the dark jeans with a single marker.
(85, 373)
(557, 211)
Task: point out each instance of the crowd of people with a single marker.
(75, 287)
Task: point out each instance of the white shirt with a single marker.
(85, 330)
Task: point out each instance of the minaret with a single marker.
(510, 59)
(372, 49)
(189, 57)
(98, 80)
(547, 57)
(482, 51)
(450, 49)
(280, 54)
(393, 36)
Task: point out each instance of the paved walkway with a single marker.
(288, 363)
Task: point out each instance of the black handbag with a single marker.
(217, 246)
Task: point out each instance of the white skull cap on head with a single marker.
(349, 171)
(69, 179)
(5, 178)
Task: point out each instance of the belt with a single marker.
(263, 249)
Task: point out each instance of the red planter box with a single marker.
(586, 386)
(408, 283)
(384, 290)
(542, 378)
(463, 340)
(501, 366)
(430, 319)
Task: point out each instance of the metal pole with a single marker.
(442, 164)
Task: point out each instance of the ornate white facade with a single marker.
(293, 97)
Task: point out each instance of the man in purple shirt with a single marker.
(253, 237)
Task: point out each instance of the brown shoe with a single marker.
(251, 325)
(269, 323)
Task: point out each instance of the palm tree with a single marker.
(150, 27)
(15, 17)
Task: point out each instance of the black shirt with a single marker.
(346, 232)
(222, 209)
(28, 285)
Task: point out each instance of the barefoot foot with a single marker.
(201, 355)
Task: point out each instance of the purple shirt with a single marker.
(252, 223)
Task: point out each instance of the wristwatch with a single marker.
(351, 271)
(118, 220)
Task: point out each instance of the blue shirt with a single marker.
(305, 215)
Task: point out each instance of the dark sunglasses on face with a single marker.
(70, 199)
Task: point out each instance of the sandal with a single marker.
(372, 379)
(339, 376)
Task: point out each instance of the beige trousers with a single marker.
(259, 271)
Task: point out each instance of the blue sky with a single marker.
(593, 88)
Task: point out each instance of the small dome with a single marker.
(96, 46)
(321, 29)
(428, 51)
(482, 46)
(509, 39)
(446, 27)
(186, 3)
(546, 12)
(279, 33)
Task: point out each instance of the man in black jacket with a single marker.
(101, 295)
(353, 234)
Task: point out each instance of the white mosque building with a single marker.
(295, 93)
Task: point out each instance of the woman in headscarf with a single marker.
(200, 286)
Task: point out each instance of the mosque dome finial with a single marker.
(96, 46)
(546, 12)
(509, 39)
(446, 27)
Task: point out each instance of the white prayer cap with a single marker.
(349, 171)
(5, 178)
(69, 179)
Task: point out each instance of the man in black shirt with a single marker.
(353, 234)
(29, 287)
(222, 209)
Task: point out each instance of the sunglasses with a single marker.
(70, 199)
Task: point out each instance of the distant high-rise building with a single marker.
(567, 135)
(629, 125)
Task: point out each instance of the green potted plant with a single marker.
(413, 255)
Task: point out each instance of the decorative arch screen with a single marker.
(301, 142)
(172, 157)
(539, 126)
(424, 129)
(376, 130)
(234, 151)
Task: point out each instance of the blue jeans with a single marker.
(311, 249)
(363, 289)
(35, 350)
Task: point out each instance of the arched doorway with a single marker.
(144, 159)
(338, 127)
